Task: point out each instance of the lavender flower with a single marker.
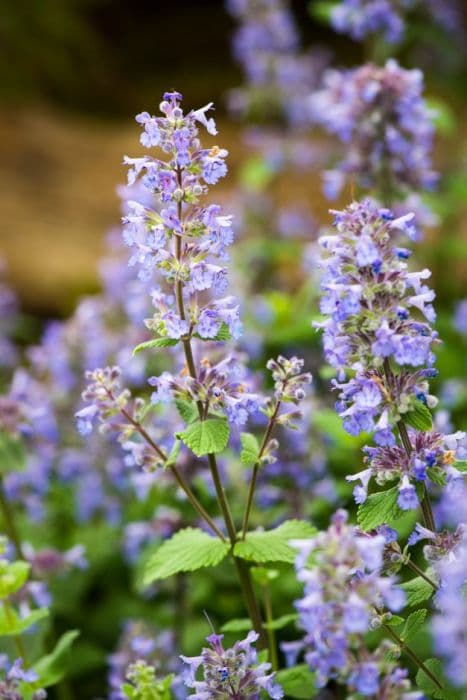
(230, 673)
(360, 18)
(343, 591)
(381, 117)
(369, 298)
(15, 679)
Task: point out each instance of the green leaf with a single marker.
(189, 549)
(12, 625)
(379, 508)
(155, 343)
(187, 409)
(273, 545)
(241, 624)
(206, 436)
(12, 454)
(412, 625)
(417, 590)
(322, 11)
(250, 449)
(428, 686)
(256, 173)
(14, 578)
(297, 682)
(173, 454)
(419, 417)
(461, 465)
(281, 622)
(437, 475)
(53, 667)
(395, 621)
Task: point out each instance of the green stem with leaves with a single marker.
(9, 522)
(256, 467)
(242, 568)
(411, 654)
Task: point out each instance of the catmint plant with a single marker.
(182, 246)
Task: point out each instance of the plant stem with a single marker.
(178, 476)
(425, 502)
(16, 638)
(243, 570)
(420, 572)
(412, 655)
(270, 631)
(9, 522)
(256, 467)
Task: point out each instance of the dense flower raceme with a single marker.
(278, 74)
(230, 673)
(449, 625)
(378, 319)
(380, 116)
(344, 597)
(387, 18)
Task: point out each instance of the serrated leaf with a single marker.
(428, 686)
(395, 621)
(419, 417)
(52, 668)
(297, 682)
(206, 436)
(12, 454)
(281, 622)
(461, 465)
(417, 590)
(413, 623)
(250, 449)
(273, 545)
(155, 343)
(379, 508)
(188, 410)
(188, 550)
(241, 624)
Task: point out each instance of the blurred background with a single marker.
(74, 73)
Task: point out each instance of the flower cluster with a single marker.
(369, 298)
(230, 673)
(278, 74)
(16, 679)
(432, 457)
(360, 18)
(381, 117)
(449, 625)
(218, 386)
(344, 594)
(184, 241)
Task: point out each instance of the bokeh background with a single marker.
(74, 74)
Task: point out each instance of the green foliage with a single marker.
(144, 685)
(53, 667)
(273, 545)
(12, 577)
(419, 417)
(413, 624)
(281, 622)
(438, 476)
(173, 454)
(206, 436)
(256, 173)
(461, 465)
(12, 454)
(379, 508)
(241, 624)
(12, 625)
(429, 687)
(155, 343)
(188, 550)
(187, 410)
(297, 682)
(417, 590)
(250, 449)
